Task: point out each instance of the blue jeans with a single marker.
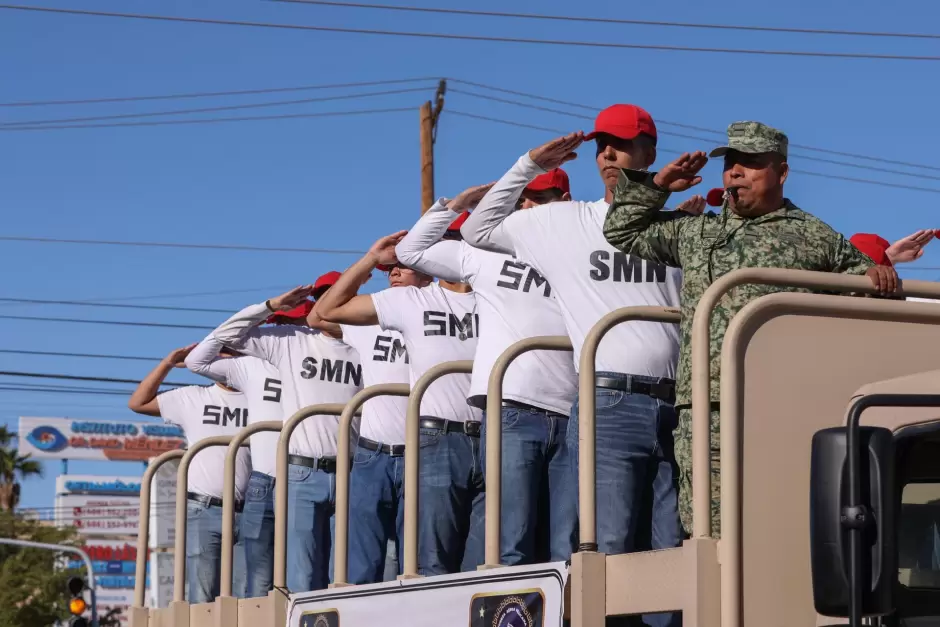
(257, 530)
(311, 502)
(637, 476)
(539, 508)
(450, 503)
(204, 553)
(376, 513)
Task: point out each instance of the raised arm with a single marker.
(422, 249)
(239, 331)
(484, 228)
(340, 304)
(636, 224)
(144, 398)
(204, 360)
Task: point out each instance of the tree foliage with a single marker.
(13, 467)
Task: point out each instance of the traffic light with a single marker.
(77, 604)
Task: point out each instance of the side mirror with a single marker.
(832, 568)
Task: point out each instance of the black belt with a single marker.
(471, 427)
(394, 450)
(516, 404)
(664, 390)
(326, 464)
(210, 500)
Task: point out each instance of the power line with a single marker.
(82, 303)
(486, 38)
(602, 20)
(257, 105)
(288, 116)
(211, 94)
(692, 127)
(667, 150)
(64, 390)
(11, 351)
(113, 322)
(686, 136)
(69, 377)
(49, 240)
(197, 294)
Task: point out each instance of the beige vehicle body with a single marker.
(792, 364)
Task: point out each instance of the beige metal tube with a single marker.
(281, 480)
(701, 322)
(228, 500)
(739, 333)
(143, 525)
(587, 434)
(494, 434)
(412, 456)
(182, 485)
(343, 456)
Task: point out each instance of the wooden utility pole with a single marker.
(430, 113)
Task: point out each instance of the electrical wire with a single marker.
(484, 38)
(331, 251)
(608, 20)
(82, 303)
(113, 322)
(287, 116)
(211, 94)
(70, 377)
(256, 105)
(667, 150)
(12, 351)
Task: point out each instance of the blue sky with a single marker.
(341, 182)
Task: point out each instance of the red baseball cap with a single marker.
(300, 311)
(873, 246)
(456, 224)
(555, 179)
(625, 121)
(326, 280)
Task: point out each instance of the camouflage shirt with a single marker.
(709, 246)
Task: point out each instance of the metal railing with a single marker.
(412, 457)
(143, 525)
(228, 500)
(182, 485)
(587, 434)
(494, 435)
(343, 455)
(701, 366)
(281, 481)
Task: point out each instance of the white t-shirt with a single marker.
(384, 359)
(202, 412)
(515, 303)
(565, 242)
(437, 325)
(314, 368)
(258, 381)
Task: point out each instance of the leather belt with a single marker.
(326, 464)
(517, 405)
(471, 427)
(207, 500)
(664, 390)
(393, 450)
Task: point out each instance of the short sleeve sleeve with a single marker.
(389, 306)
(173, 406)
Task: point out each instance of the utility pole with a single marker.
(430, 113)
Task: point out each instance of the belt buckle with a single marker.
(471, 428)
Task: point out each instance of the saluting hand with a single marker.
(682, 173)
(291, 299)
(469, 198)
(178, 356)
(693, 206)
(910, 248)
(558, 151)
(383, 250)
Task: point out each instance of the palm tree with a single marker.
(13, 466)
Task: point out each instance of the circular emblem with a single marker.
(321, 621)
(512, 612)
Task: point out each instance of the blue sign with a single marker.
(102, 487)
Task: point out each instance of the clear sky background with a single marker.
(341, 182)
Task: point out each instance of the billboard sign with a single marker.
(64, 438)
(163, 506)
(98, 515)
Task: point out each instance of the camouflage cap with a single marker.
(753, 138)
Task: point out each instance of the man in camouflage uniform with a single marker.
(757, 227)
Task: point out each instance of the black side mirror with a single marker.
(832, 522)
